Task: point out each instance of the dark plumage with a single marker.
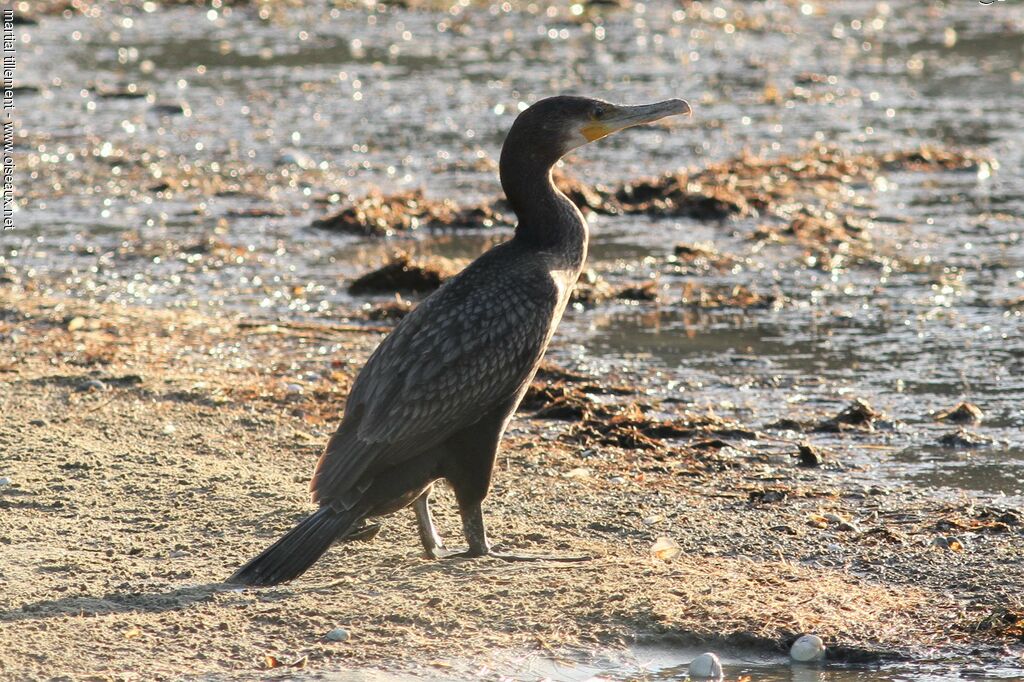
(435, 397)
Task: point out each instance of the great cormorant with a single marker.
(435, 397)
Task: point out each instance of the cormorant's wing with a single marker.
(466, 350)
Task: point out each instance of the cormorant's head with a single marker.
(554, 126)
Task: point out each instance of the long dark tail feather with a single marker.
(292, 555)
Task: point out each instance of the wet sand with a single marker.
(128, 500)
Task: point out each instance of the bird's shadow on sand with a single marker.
(138, 602)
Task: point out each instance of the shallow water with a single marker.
(664, 662)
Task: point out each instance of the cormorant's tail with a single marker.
(292, 555)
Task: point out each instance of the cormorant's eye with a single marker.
(599, 111)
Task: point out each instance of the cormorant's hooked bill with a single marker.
(609, 118)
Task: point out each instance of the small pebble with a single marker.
(807, 648)
(706, 667)
(294, 388)
(5, 481)
(38, 422)
(951, 543)
(92, 385)
(169, 429)
(337, 635)
(171, 109)
(809, 456)
(294, 157)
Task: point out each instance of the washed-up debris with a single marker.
(826, 228)
(645, 291)
(390, 310)
(984, 520)
(381, 215)
(403, 274)
(274, 662)
(840, 522)
(703, 257)
(624, 427)
(212, 250)
(550, 372)
(598, 290)
(932, 158)
(858, 415)
(554, 387)
(255, 213)
(545, 393)
(809, 455)
(592, 289)
(377, 214)
(767, 496)
(485, 215)
(706, 667)
(597, 198)
(807, 649)
(679, 195)
(1004, 622)
(998, 519)
(666, 549)
(799, 189)
(962, 438)
(964, 413)
(627, 426)
(735, 296)
(833, 521)
(787, 424)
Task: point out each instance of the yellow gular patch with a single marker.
(595, 131)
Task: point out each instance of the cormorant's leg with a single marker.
(476, 535)
(433, 545)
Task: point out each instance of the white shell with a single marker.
(706, 666)
(337, 635)
(808, 648)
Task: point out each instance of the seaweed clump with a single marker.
(728, 296)
(629, 425)
(964, 413)
(859, 415)
(403, 274)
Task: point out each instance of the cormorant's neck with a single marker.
(547, 219)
